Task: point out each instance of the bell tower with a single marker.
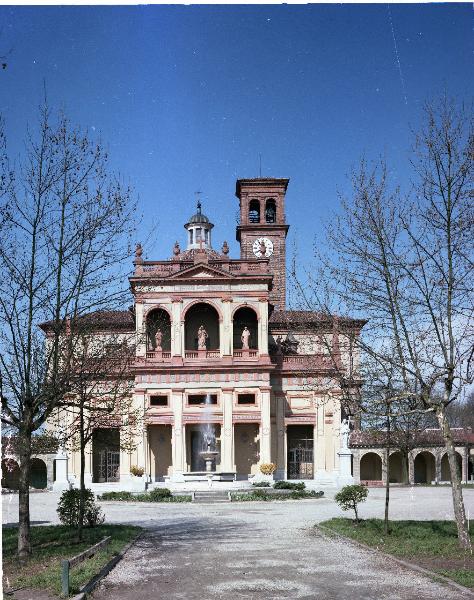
(263, 229)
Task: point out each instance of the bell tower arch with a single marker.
(262, 230)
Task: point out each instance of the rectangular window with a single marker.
(246, 399)
(201, 399)
(158, 400)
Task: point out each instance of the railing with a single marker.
(245, 353)
(155, 354)
(202, 354)
(66, 565)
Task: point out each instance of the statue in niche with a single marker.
(158, 339)
(202, 338)
(245, 337)
(345, 430)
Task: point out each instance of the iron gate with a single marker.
(109, 465)
(300, 459)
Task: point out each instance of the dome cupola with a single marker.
(199, 230)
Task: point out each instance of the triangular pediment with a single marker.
(202, 272)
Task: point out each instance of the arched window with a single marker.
(254, 211)
(207, 316)
(158, 322)
(270, 211)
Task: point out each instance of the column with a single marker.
(411, 469)
(263, 327)
(140, 330)
(227, 433)
(176, 328)
(227, 329)
(88, 463)
(178, 438)
(320, 458)
(437, 469)
(281, 437)
(265, 426)
(464, 466)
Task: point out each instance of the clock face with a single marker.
(262, 247)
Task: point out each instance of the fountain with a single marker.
(209, 439)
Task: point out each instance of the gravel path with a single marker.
(258, 550)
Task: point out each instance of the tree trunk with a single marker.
(458, 502)
(386, 524)
(82, 486)
(24, 526)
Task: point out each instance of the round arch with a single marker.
(158, 329)
(38, 477)
(445, 470)
(270, 210)
(398, 467)
(10, 474)
(371, 467)
(201, 314)
(188, 307)
(424, 467)
(254, 211)
(244, 316)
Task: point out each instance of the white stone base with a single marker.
(259, 477)
(324, 478)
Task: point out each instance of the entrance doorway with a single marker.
(106, 455)
(300, 452)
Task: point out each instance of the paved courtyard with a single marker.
(258, 550)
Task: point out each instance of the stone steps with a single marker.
(211, 497)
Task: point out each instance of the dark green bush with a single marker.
(350, 496)
(261, 484)
(288, 485)
(68, 509)
(158, 494)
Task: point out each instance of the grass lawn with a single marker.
(429, 544)
(53, 543)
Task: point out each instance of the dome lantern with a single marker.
(199, 231)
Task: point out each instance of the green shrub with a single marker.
(288, 485)
(261, 484)
(116, 496)
(350, 496)
(158, 494)
(68, 509)
(137, 471)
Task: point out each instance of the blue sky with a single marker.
(187, 97)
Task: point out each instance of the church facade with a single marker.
(219, 360)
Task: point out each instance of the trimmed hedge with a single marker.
(156, 495)
(267, 496)
(288, 485)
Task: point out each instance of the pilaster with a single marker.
(177, 328)
(178, 438)
(265, 426)
(281, 437)
(263, 327)
(227, 434)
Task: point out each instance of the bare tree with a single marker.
(406, 263)
(64, 232)
(101, 389)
